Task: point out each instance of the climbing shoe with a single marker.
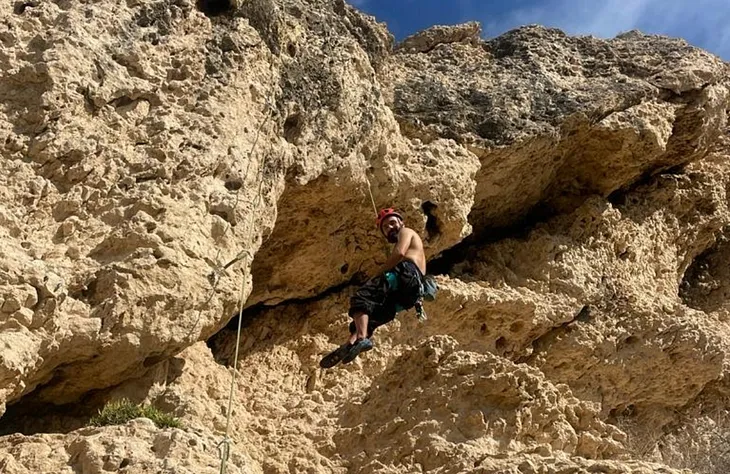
(334, 357)
(362, 345)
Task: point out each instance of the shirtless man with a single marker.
(396, 287)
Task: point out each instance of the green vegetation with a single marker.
(119, 412)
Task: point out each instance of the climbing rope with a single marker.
(224, 447)
(214, 276)
(370, 191)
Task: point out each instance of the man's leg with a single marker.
(361, 326)
(364, 300)
(360, 320)
(360, 337)
(372, 326)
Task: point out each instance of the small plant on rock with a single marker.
(118, 412)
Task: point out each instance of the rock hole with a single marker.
(233, 184)
(584, 315)
(432, 226)
(704, 285)
(483, 329)
(294, 11)
(153, 360)
(215, 7)
(291, 49)
(144, 179)
(89, 290)
(30, 415)
(20, 7)
(629, 411)
(122, 101)
(223, 215)
(344, 268)
(500, 344)
(125, 462)
(631, 340)
(292, 127)
(222, 343)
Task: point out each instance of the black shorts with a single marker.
(381, 302)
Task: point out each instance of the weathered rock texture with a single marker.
(157, 154)
(554, 118)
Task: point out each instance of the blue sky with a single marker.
(704, 23)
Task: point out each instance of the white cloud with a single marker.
(704, 22)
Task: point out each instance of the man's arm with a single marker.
(399, 251)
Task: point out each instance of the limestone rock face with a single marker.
(152, 148)
(425, 41)
(166, 163)
(135, 447)
(118, 157)
(621, 264)
(554, 118)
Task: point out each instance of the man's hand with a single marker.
(360, 278)
(399, 251)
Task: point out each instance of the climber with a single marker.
(397, 286)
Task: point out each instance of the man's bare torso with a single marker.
(415, 252)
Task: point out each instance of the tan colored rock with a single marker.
(101, 140)
(156, 155)
(130, 153)
(292, 418)
(137, 447)
(580, 116)
(634, 343)
(455, 404)
(426, 40)
(325, 232)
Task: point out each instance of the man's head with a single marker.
(390, 223)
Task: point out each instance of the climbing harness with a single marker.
(428, 286)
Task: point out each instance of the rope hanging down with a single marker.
(370, 191)
(224, 446)
(214, 276)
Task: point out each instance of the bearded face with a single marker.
(391, 226)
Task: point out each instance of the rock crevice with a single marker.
(571, 192)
